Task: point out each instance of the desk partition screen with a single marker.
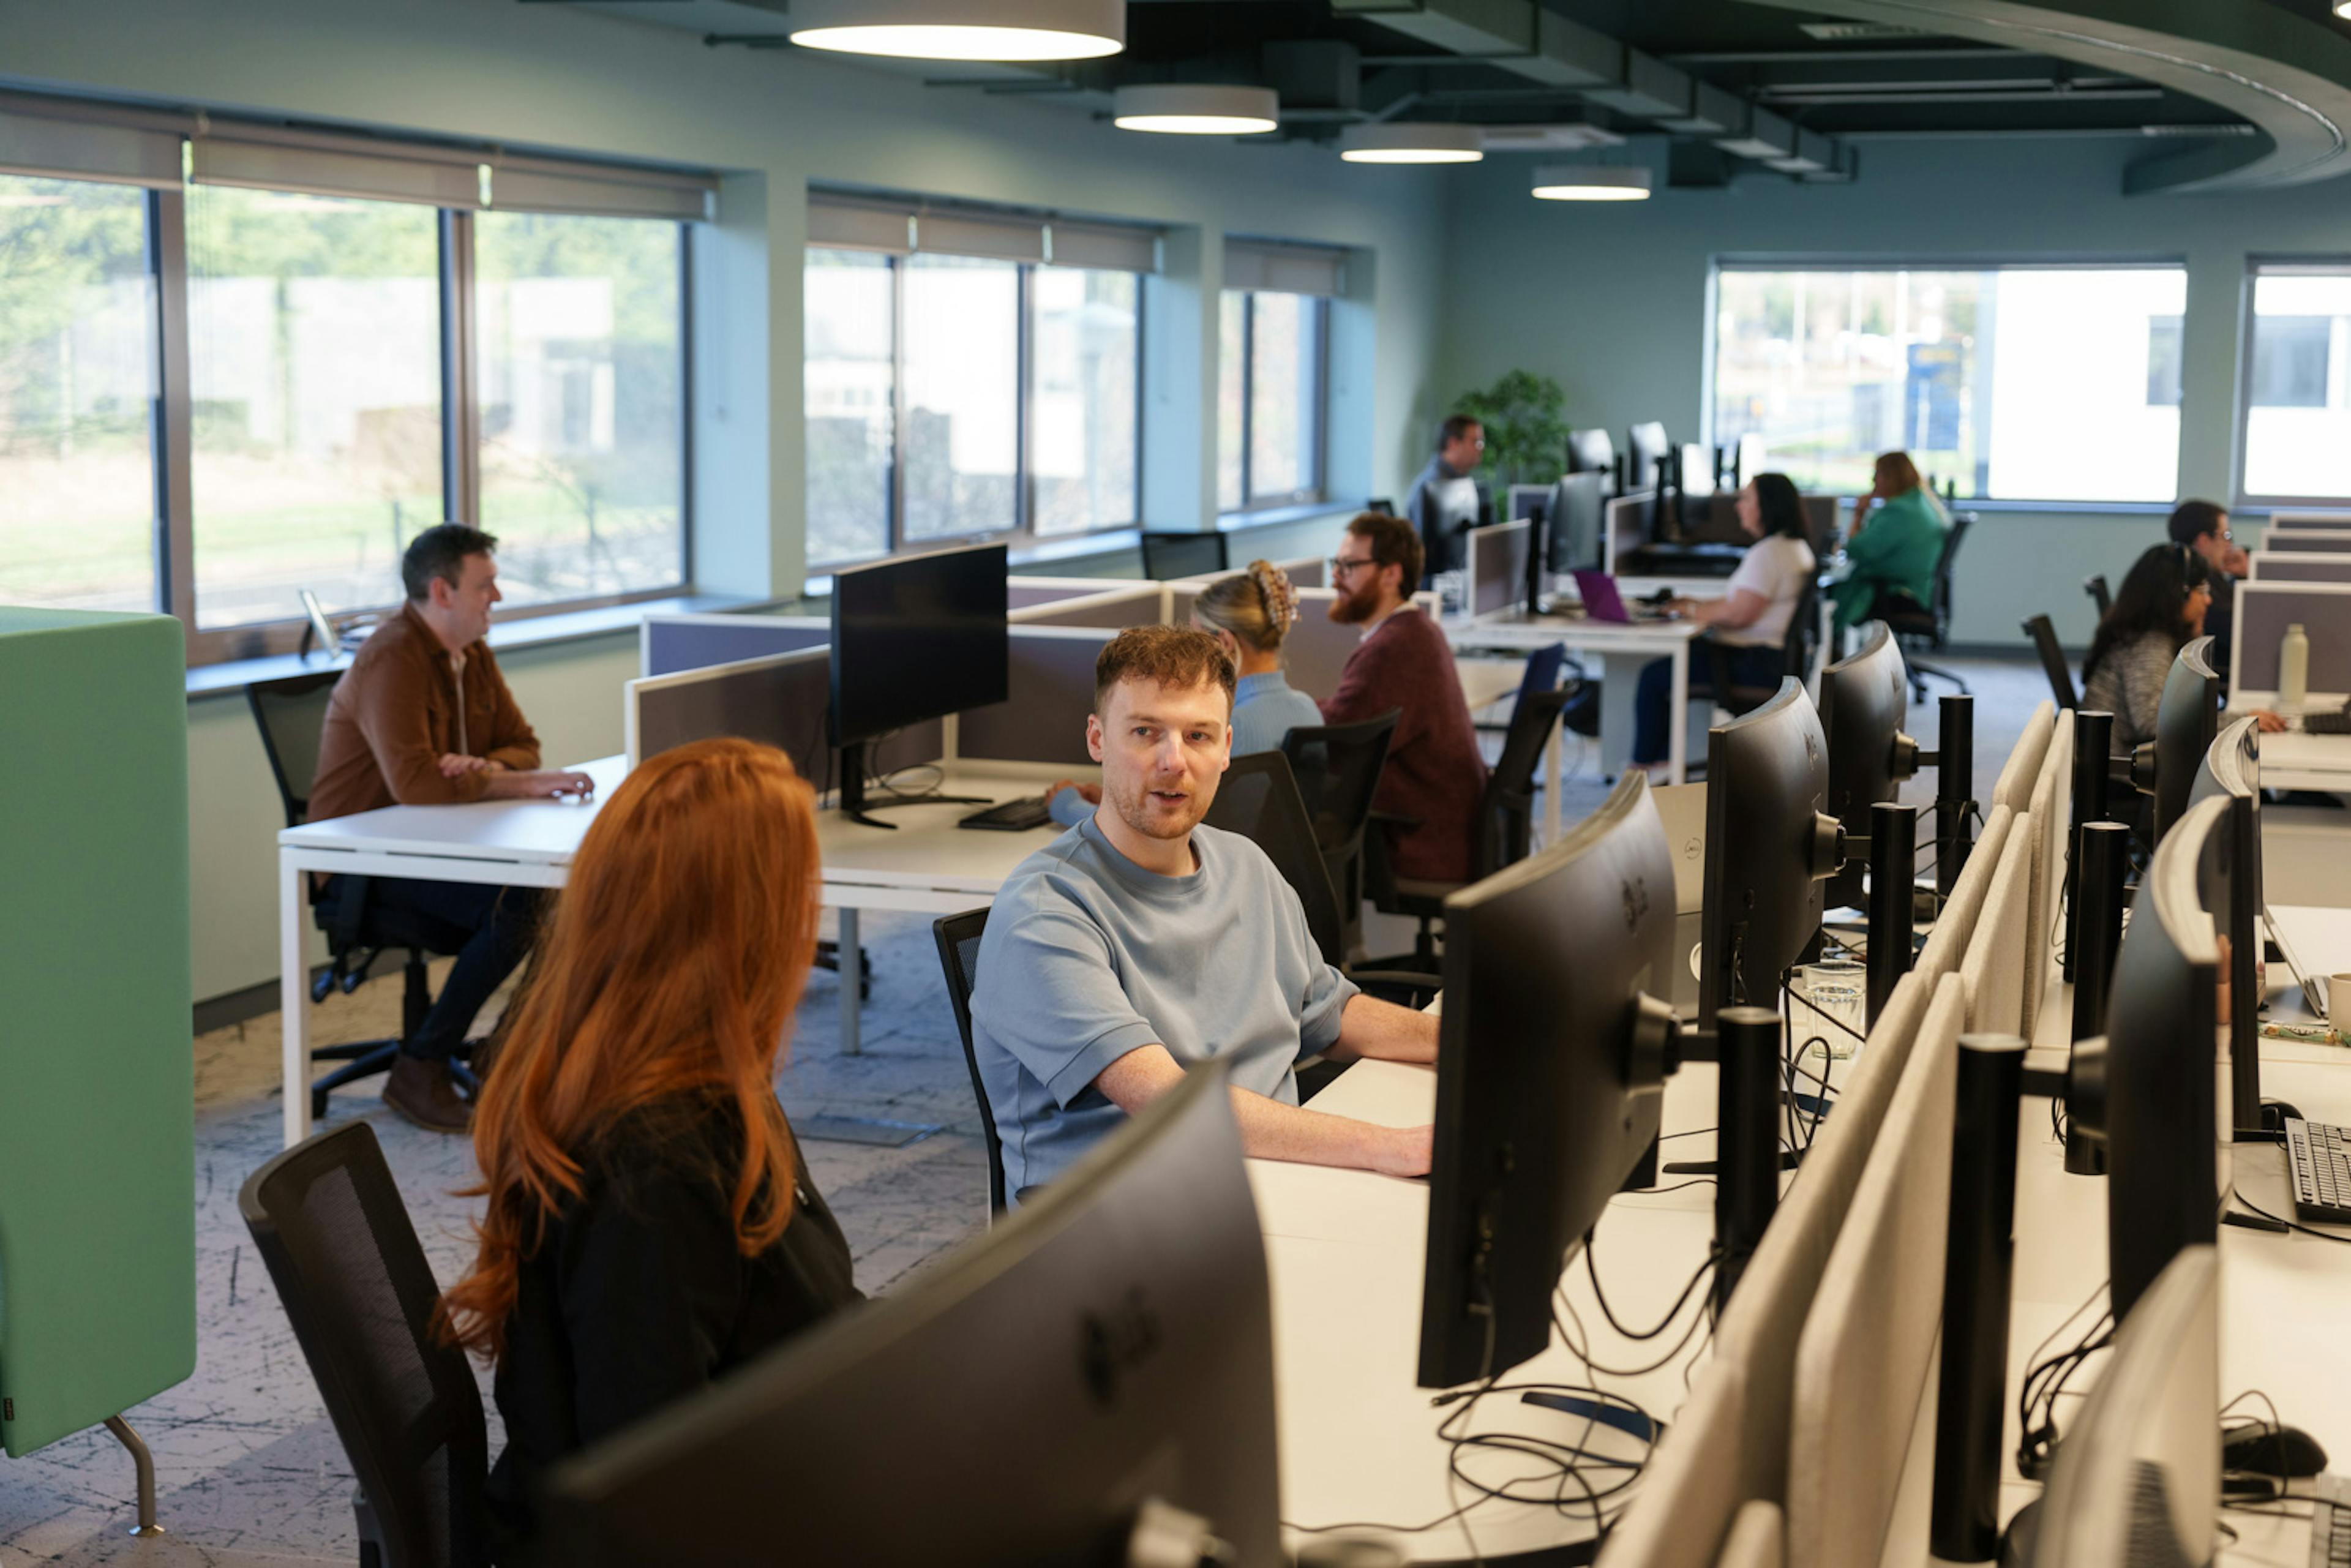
(780, 701)
(1948, 943)
(1027, 592)
(2308, 541)
(1117, 606)
(1318, 647)
(2265, 609)
(1993, 969)
(2295, 566)
(2023, 769)
(1498, 566)
(1051, 681)
(2051, 810)
(1308, 571)
(2299, 521)
(669, 643)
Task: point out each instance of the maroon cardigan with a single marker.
(1434, 773)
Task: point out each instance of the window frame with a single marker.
(1318, 307)
(2244, 498)
(1899, 262)
(1022, 535)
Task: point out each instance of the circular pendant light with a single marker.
(1011, 30)
(1178, 109)
(1388, 141)
(1591, 183)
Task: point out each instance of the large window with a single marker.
(77, 384)
(2025, 384)
(951, 395)
(2297, 384)
(235, 364)
(1269, 399)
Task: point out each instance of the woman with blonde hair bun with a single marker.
(1251, 614)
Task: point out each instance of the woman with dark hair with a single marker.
(651, 1227)
(2160, 605)
(1895, 549)
(1750, 618)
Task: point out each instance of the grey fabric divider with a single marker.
(695, 642)
(2290, 566)
(2308, 541)
(2263, 613)
(1018, 595)
(1307, 571)
(1137, 607)
(1052, 691)
(1318, 647)
(781, 701)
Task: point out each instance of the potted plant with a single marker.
(1526, 434)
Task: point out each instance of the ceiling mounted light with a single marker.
(1011, 30)
(1591, 183)
(1197, 110)
(1387, 141)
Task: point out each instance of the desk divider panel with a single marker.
(1027, 592)
(1868, 1343)
(2306, 541)
(2023, 769)
(2051, 813)
(1994, 968)
(1052, 690)
(1948, 943)
(2299, 521)
(669, 643)
(97, 1195)
(1498, 566)
(782, 701)
(1318, 647)
(2265, 609)
(1117, 607)
(1307, 570)
(2294, 566)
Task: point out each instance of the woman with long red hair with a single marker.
(651, 1226)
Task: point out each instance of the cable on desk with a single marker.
(2045, 1382)
(1592, 1271)
(1579, 1340)
(2289, 1225)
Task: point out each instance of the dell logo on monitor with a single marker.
(1116, 1342)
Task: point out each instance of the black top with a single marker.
(637, 1295)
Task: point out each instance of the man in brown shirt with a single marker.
(422, 717)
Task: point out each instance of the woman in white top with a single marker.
(1750, 618)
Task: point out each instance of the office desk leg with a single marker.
(293, 999)
(852, 980)
(1678, 734)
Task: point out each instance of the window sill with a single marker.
(1271, 517)
(2067, 508)
(233, 675)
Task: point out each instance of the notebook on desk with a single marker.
(1603, 602)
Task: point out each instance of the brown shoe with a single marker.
(423, 1092)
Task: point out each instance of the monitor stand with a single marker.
(851, 800)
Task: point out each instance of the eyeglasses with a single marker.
(1340, 566)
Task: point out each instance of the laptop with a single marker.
(1603, 602)
(2313, 992)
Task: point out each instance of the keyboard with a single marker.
(2318, 1158)
(1011, 816)
(2338, 722)
(2330, 1522)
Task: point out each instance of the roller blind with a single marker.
(905, 228)
(54, 142)
(393, 174)
(1284, 268)
(533, 185)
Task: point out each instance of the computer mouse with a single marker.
(2288, 1453)
(2276, 1113)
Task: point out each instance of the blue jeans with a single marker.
(1653, 699)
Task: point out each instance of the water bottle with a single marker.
(2293, 668)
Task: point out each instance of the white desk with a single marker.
(926, 865)
(1344, 1249)
(2296, 759)
(1635, 642)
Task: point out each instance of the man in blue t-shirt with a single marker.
(1140, 942)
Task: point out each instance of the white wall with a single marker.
(551, 77)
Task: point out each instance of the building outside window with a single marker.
(2296, 403)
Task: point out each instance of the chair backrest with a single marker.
(1543, 667)
(2100, 595)
(328, 1223)
(1337, 769)
(1259, 799)
(1795, 654)
(959, 938)
(1506, 813)
(1167, 555)
(1941, 607)
(292, 714)
(2053, 660)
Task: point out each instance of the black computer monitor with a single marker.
(2136, 1478)
(2185, 718)
(1544, 1103)
(1769, 848)
(1108, 1343)
(2151, 1094)
(1169, 555)
(1863, 700)
(914, 639)
(1455, 507)
(1648, 450)
(2232, 770)
(1571, 522)
(1591, 452)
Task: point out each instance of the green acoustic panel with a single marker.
(98, 1243)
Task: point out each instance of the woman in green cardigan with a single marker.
(1894, 549)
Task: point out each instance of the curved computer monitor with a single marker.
(1863, 700)
(2184, 724)
(1102, 1346)
(2158, 1101)
(1544, 1107)
(2232, 770)
(1767, 777)
(1591, 451)
(2138, 1474)
(1647, 448)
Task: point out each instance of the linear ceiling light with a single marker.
(1182, 110)
(1591, 183)
(963, 29)
(1388, 141)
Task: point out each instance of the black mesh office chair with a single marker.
(1167, 556)
(2100, 595)
(1259, 799)
(329, 1224)
(1337, 770)
(959, 938)
(1925, 628)
(1795, 656)
(2053, 660)
(291, 714)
